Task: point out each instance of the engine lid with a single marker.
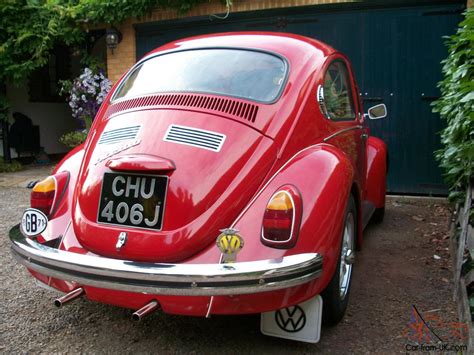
(169, 179)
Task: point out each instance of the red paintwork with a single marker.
(376, 171)
(209, 191)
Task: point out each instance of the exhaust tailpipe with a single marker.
(71, 296)
(144, 311)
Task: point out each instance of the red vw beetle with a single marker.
(224, 174)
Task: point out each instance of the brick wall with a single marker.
(124, 56)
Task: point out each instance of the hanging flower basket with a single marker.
(85, 94)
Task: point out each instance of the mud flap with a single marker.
(301, 322)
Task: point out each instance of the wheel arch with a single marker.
(324, 198)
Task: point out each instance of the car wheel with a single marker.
(378, 215)
(336, 294)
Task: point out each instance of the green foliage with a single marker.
(100, 11)
(456, 106)
(9, 167)
(73, 139)
(29, 29)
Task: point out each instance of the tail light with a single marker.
(47, 193)
(282, 218)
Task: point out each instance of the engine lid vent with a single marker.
(241, 109)
(119, 134)
(195, 137)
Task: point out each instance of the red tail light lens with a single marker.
(282, 218)
(46, 193)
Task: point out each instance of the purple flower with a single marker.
(87, 94)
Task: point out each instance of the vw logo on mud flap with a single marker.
(291, 319)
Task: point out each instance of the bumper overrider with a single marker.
(168, 279)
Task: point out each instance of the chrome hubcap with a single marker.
(347, 255)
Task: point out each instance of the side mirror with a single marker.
(377, 112)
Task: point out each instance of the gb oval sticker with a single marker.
(33, 222)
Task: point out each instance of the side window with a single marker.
(336, 97)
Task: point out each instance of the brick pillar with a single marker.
(124, 56)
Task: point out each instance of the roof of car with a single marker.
(286, 44)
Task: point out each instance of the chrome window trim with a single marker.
(285, 61)
(350, 94)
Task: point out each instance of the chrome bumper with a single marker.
(167, 279)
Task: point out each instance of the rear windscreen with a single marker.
(245, 74)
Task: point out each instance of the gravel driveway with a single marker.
(397, 268)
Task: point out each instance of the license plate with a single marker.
(133, 200)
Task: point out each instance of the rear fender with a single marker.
(376, 171)
(323, 175)
(71, 163)
(62, 216)
(58, 226)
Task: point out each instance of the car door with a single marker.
(340, 105)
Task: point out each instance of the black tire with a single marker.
(334, 305)
(378, 215)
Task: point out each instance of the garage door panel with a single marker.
(395, 53)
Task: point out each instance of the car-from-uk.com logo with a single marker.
(429, 333)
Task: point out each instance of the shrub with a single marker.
(456, 106)
(73, 139)
(9, 167)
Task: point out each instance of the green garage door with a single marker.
(396, 54)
